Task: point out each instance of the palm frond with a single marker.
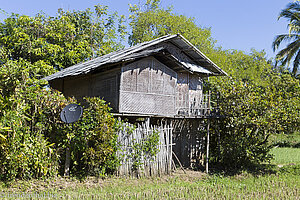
(290, 15)
(296, 63)
(286, 54)
(294, 6)
(284, 37)
(294, 27)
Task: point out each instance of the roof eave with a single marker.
(222, 72)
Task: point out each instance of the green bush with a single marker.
(93, 141)
(26, 151)
(33, 139)
(252, 112)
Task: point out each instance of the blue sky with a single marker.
(235, 24)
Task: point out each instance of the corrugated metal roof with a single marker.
(203, 66)
(195, 68)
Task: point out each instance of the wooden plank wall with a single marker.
(106, 85)
(189, 94)
(189, 143)
(182, 94)
(195, 95)
(78, 87)
(161, 164)
(189, 87)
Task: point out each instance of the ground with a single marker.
(278, 180)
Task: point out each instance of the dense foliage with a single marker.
(58, 42)
(28, 114)
(32, 138)
(256, 99)
(251, 114)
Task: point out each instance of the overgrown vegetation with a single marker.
(269, 181)
(145, 149)
(258, 99)
(32, 138)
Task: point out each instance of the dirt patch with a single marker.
(189, 175)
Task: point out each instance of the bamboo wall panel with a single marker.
(157, 78)
(170, 79)
(143, 76)
(147, 103)
(148, 87)
(129, 77)
(182, 93)
(195, 93)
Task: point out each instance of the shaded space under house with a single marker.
(157, 84)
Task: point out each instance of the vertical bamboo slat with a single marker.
(162, 161)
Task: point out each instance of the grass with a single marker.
(286, 140)
(193, 185)
(286, 155)
(281, 182)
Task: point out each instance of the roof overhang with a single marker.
(201, 64)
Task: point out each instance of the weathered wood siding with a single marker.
(182, 94)
(189, 87)
(148, 87)
(189, 93)
(106, 85)
(195, 94)
(78, 87)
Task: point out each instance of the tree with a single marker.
(256, 100)
(61, 41)
(292, 50)
(154, 22)
(32, 137)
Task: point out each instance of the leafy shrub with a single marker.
(252, 113)
(26, 151)
(93, 140)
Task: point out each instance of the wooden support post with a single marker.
(207, 146)
(207, 142)
(68, 156)
(67, 162)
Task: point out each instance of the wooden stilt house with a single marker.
(159, 81)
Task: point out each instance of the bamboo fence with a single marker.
(155, 166)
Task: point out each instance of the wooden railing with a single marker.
(198, 108)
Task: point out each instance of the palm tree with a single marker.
(292, 50)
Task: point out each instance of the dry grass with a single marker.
(179, 185)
